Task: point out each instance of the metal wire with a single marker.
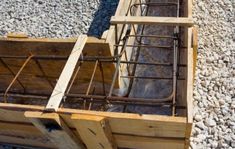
(122, 37)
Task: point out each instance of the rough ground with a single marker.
(214, 93)
(56, 18)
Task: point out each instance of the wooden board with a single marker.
(148, 143)
(95, 131)
(41, 76)
(195, 48)
(144, 125)
(23, 134)
(119, 31)
(172, 21)
(66, 75)
(149, 126)
(55, 129)
(126, 130)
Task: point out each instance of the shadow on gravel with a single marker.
(102, 17)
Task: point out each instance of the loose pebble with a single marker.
(215, 75)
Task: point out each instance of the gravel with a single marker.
(214, 92)
(56, 18)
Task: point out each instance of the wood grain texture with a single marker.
(195, 48)
(55, 129)
(172, 21)
(95, 132)
(120, 123)
(33, 79)
(128, 130)
(145, 125)
(65, 76)
(136, 142)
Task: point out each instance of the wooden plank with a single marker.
(172, 21)
(189, 85)
(34, 79)
(94, 131)
(66, 74)
(53, 127)
(136, 142)
(189, 75)
(188, 135)
(195, 47)
(25, 142)
(17, 35)
(122, 7)
(147, 125)
(30, 135)
(22, 38)
(143, 125)
(122, 10)
(23, 128)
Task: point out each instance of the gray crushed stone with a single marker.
(214, 92)
(56, 18)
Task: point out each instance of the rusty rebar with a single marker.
(16, 76)
(91, 81)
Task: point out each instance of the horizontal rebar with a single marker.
(153, 78)
(147, 46)
(153, 36)
(94, 97)
(94, 100)
(85, 58)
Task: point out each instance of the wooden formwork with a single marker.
(49, 125)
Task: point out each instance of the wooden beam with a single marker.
(24, 134)
(94, 131)
(138, 142)
(147, 125)
(189, 85)
(17, 35)
(195, 47)
(171, 21)
(66, 75)
(55, 129)
(4, 139)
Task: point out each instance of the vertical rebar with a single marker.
(175, 65)
(91, 81)
(102, 75)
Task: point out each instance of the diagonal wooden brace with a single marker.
(64, 79)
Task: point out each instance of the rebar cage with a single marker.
(144, 55)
